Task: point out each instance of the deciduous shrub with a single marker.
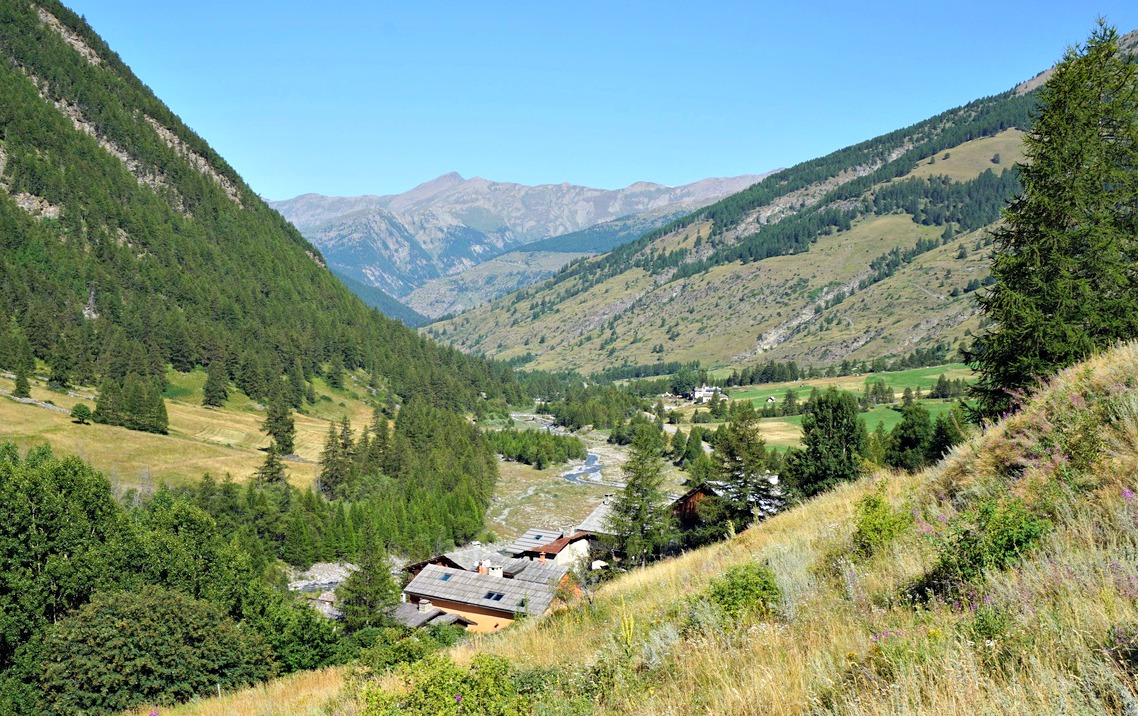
(747, 589)
(877, 524)
(155, 646)
(435, 686)
(992, 535)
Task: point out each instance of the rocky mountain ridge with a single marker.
(450, 224)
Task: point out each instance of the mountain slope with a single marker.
(128, 243)
(449, 224)
(770, 271)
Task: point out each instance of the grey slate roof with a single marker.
(517, 595)
(469, 557)
(597, 521)
(533, 538)
(531, 570)
(411, 617)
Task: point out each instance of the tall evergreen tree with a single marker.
(641, 518)
(1065, 269)
(367, 593)
(216, 388)
(23, 388)
(911, 441)
(272, 470)
(741, 462)
(280, 426)
(833, 442)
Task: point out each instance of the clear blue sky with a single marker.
(372, 98)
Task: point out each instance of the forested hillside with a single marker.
(870, 251)
(128, 244)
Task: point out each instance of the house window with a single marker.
(494, 596)
(445, 577)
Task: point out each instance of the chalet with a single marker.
(491, 597)
(424, 614)
(685, 508)
(533, 538)
(596, 524)
(570, 550)
(704, 393)
(468, 558)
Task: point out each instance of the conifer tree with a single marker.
(641, 518)
(367, 593)
(23, 389)
(741, 462)
(833, 442)
(1066, 283)
(272, 470)
(216, 384)
(280, 426)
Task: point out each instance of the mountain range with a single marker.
(440, 228)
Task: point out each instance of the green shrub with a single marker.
(993, 535)
(877, 524)
(437, 687)
(124, 649)
(747, 589)
(81, 413)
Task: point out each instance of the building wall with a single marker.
(573, 554)
(485, 621)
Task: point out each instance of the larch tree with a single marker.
(741, 467)
(1065, 265)
(641, 518)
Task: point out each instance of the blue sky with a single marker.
(373, 98)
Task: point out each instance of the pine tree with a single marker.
(833, 443)
(641, 518)
(741, 466)
(370, 591)
(910, 440)
(272, 470)
(23, 388)
(279, 425)
(216, 384)
(1065, 279)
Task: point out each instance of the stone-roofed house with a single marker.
(570, 550)
(424, 613)
(596, 524)
(488, 599)
(533, 538)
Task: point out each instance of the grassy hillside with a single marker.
(949, 611)
(816, 301)
(1052, 632)
(217, 441)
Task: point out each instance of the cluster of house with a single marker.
(485, 590)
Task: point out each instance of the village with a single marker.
(484, 588)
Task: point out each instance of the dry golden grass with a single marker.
(217, 441)
(973, 158)
(308, 693)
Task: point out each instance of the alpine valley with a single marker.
(430, 246)
(858, 437)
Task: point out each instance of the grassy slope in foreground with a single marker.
(844, 642)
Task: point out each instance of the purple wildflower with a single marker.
(1127, 494)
